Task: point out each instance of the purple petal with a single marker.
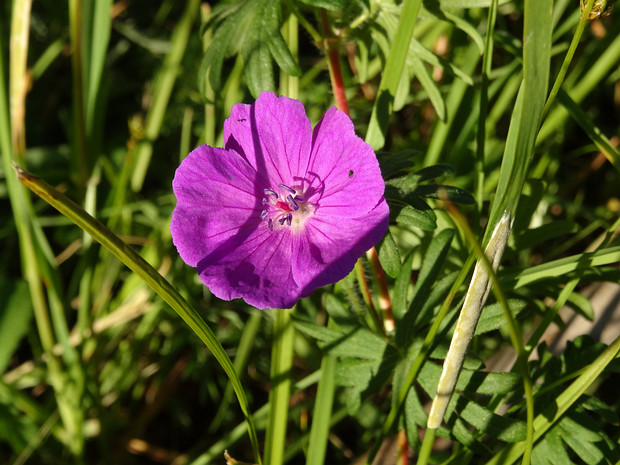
(346, 168)
(274, 135)
(257, 269)
(216, 198)
(328, 250)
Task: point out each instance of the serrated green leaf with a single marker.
(423, 219)
(393, 163)
(356, 372)
(463, 434)
(429, 271)
(496, 426)
(404, 184)
(535, 236)
(438, 294)
(479, 382)
(550, 450)
(581, 439)
(438, 191)
(389, 256)
(468, 3)
(472, 362)
(251, 28)
(327, 4)
(582, 305)
(599, 407)
(357, 343)
(414, 418)
(282, 55)
(401, 288)
(434, 172)
(341, 315)
(492, 316)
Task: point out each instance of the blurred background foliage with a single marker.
(97, 369)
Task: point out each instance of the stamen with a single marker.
(264, 214)
(287, 189)
(270, 224)
(264, 200)
(299, 197)
(289, 219)
(282, 220)
(291, 202)
(270, 192)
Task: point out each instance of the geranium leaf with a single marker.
(423, 219)
(357, 343)
(252, 28)
(389, 256)
(438, 191)
(393, 163)
(401, 288)
(468, 3)
(497, 426)
(492, 316)
(327, 4)
(434, 172)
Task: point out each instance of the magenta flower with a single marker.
(283, 209)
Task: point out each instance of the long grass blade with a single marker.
(155, 281)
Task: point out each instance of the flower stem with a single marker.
(281, 363)
(385, 303)
(427, 446)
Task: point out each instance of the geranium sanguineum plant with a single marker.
(283, 209)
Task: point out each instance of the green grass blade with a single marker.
(155, 281)
(596, 135)
(562, 267)
(528, 110)
(162, 92)
(608, 59)
(391, 75)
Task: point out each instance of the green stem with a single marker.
(427, 446)
(391, 74)
(210, 118)
(164, 84)
(289, 85)
(322, 412)
(279, 395)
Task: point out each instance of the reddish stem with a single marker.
(335, 72)
(384, 294)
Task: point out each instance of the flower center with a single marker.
(284, 208)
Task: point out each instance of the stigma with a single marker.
(284, 207)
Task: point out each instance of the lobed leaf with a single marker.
(497, 426)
